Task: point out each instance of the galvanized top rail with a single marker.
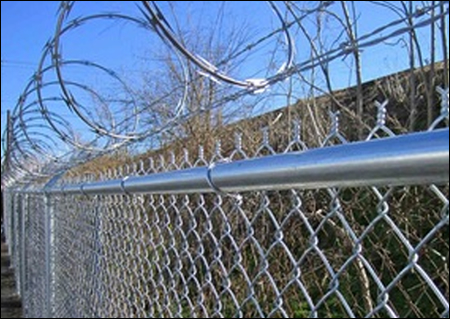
(415, 159)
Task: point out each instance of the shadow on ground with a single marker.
(11, 305)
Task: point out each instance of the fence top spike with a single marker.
(266, 135)
(297, 133)
(238, 141)
(382, 112)
(119, 172)
(141, 166)
(335, 121)
(201, 152)
(444, 100)
(151, 162)
(135, 168)
(218, 150)
(186, 155)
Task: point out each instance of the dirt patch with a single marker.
(11, 313)
(11, 306)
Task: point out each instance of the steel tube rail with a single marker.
(415, 159)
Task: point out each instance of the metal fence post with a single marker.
(23, 258)
(13, 226)
(7, 217)
(49, 246)
(16, 238)
(48, 255)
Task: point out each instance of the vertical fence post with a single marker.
(20, 235)
(7, 217)
(13, 216)
(48, 255)
(9, 209)
(11, 224)
(50, 246)
(23, 255)
(16, 235)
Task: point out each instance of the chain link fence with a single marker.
(309, 252)
(142, 202)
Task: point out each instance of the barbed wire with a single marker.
(42, 142)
